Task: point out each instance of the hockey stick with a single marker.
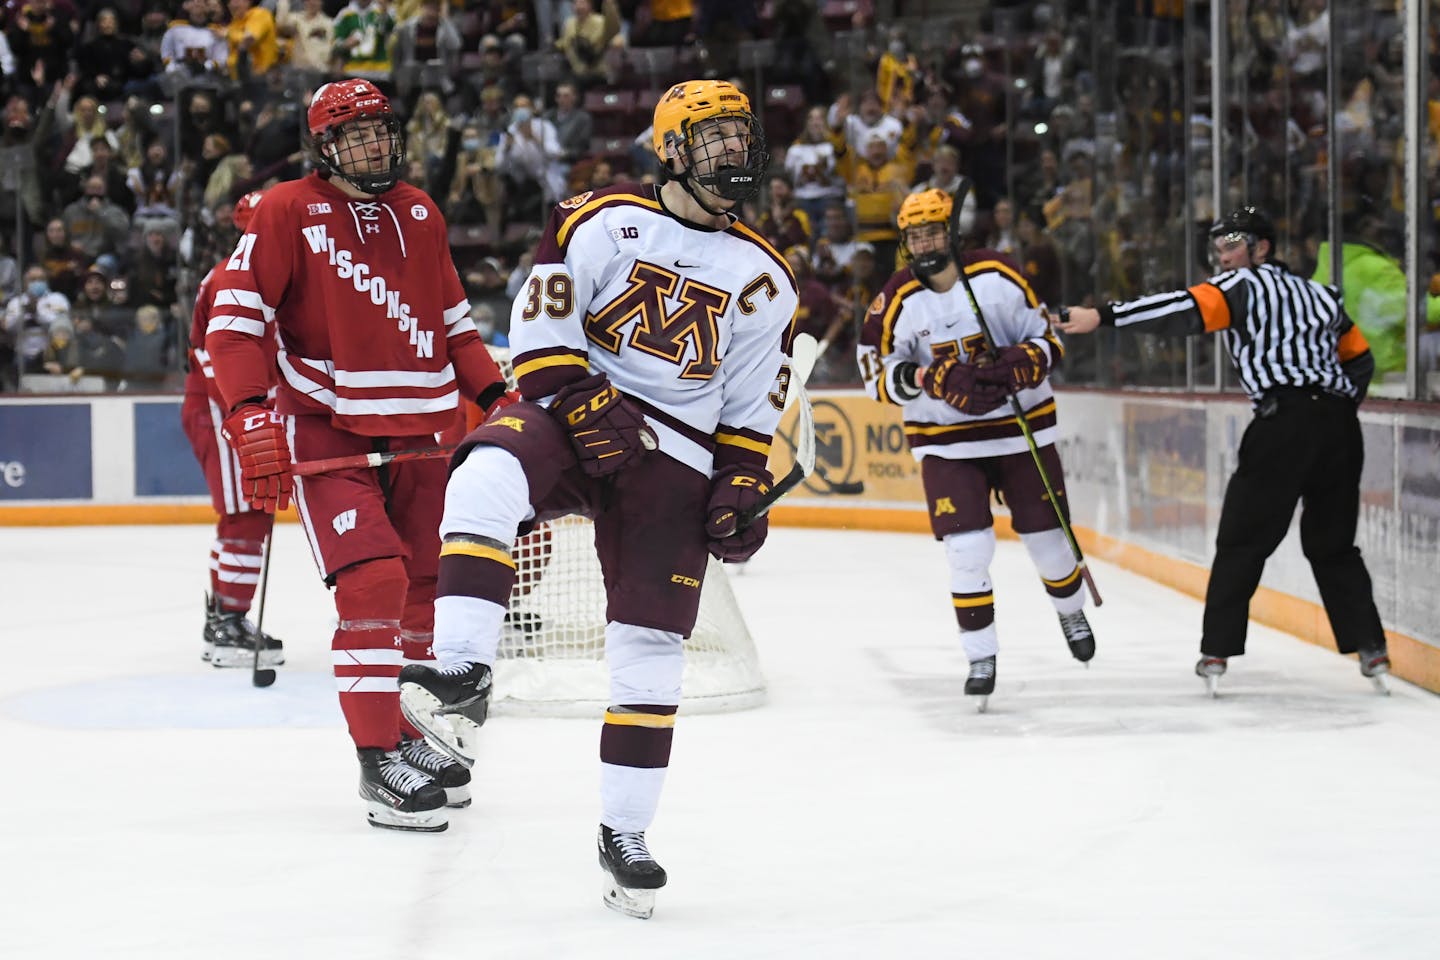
(362, 460)
(259, 677)
(993, 351)
(802, 360)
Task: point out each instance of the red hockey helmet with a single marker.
(245, 209)
(356, 136)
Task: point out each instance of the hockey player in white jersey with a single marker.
(650, 345)
(922, 348)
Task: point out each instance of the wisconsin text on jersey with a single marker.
(360, 276)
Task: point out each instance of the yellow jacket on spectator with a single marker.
(665, 11)
(877, 188)
(259, 25)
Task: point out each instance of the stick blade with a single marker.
(803, 354)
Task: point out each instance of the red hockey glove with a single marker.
(607, 431)
(733, 491)
(1018, 367)
(960, 385)
(258, 437)
(504, 400)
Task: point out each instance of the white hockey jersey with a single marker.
(910, 323)
(694, 325)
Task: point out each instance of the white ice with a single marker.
(155, 807)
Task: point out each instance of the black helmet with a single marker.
(1249, 220)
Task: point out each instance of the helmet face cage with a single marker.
(345, 149)
(930, 210)
(713, 165)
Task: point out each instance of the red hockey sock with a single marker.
(366, 650)
(235, 557)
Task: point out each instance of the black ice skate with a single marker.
(398, 796)
(230, 640)
(449, 705)
(981, 682)
(631, 874)
(1078, 636)
(1211, 669)
(454, 777)
(1375, 664)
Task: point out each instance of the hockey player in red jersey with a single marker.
(235, 553)
(349, 270)
(649, 343)
(922, 348)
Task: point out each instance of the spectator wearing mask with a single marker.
(96, 225)
(104, 166)
(475, 192)
(529, 159)
(29, 317)
(483, 316)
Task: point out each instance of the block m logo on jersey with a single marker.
(364, 281)
(662, 331)
(344, 522)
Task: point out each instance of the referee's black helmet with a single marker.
(1248, 221)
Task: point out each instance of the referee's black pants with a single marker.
(1303, 445)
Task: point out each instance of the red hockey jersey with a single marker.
(373, 325)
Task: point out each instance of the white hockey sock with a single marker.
(1050, 552)
(968, 555)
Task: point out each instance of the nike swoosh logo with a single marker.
(685, 266)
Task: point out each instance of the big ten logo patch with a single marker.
(625, 233)
(378, 289)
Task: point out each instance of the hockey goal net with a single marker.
(551, 659)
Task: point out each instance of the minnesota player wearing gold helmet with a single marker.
(922, 349)
(650, 344)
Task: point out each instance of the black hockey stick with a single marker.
(259, 677)
(994, 352)
(802, 360)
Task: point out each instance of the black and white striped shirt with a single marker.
(1280, 329)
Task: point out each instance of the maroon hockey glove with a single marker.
(1019, 367)
(258, 437)
(734, 491)
(959, 384)
(607, 431)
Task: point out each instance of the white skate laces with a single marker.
(632, 847)
(400, 775)
(457, 669)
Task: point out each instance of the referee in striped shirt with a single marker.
(1306, 368)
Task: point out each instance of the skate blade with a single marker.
(639, 904)
(229, 659)
(430, 821)
(1212, 687)
(451, 734)
(1381, 682)
(982, 703)
(457, 797)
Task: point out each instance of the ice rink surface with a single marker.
(155, 807)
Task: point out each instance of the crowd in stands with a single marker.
(130, 130)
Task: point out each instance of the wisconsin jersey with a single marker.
(910, 323)
(373, 325)
(692, 324)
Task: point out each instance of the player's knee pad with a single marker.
(488, 495)
(645, 664)
(968, 555)
(371, 591)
